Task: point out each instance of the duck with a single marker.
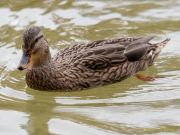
(84, 65)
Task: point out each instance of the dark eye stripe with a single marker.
(35, 41)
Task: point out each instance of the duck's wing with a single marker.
(103, 56)
(100, 57)
(67, 55)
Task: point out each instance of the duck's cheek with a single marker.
(34, 60)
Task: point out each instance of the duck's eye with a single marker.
(36, 40)
(148, 51)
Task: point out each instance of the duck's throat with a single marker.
(42, 78)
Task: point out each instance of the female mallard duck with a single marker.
(84, 65)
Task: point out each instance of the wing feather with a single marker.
(103, 53)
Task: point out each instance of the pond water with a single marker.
(128, 107)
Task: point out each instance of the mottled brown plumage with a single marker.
(84, 65)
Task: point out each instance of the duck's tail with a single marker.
(155, 50)
(162, 44)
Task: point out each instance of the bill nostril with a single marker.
(20, 68)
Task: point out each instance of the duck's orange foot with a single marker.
(145, 78)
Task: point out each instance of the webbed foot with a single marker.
(147, 78)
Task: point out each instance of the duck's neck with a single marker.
(44, 77)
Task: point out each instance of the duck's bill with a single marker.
(24, 62)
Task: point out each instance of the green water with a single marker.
(128, 107)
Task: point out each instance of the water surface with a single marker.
(128, 107)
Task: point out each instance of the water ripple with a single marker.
(8, 118)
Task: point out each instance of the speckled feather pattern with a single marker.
(97, 63)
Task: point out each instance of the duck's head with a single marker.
(35, 49)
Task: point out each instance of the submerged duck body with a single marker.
(84, 65)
